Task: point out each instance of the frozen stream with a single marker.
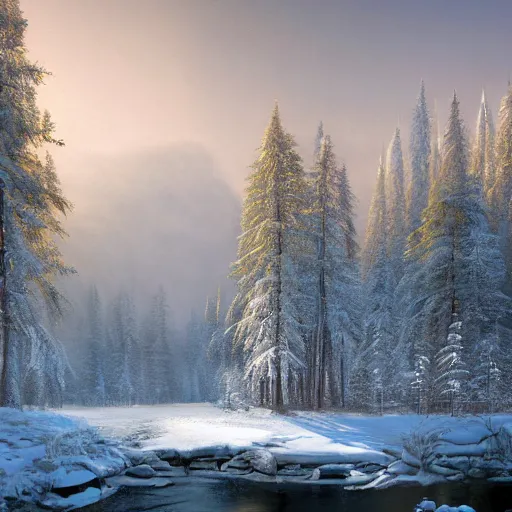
(199, 495)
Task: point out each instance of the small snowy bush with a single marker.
(421, 444)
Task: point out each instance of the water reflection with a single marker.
(199, 495)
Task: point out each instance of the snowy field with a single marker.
(190, 426)
(315, 436)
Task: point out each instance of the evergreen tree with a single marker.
(483, 161)
(219, 351)
(455, 269)
(125, 352)
(33, 200)
(318, 139)
(370, 380)
(337, 321)
(192, 387)
(501, 192)
(435, 152)
(94, 374)
(395, 204)
(157, 364)
(419, 149)
(266, 270)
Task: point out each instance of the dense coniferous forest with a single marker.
(416, 319)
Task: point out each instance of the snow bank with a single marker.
(42, 452)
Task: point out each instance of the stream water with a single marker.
(202, 495)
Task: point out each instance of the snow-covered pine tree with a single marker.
(370, 379)
(33, 200)
(455, 271)
(125, 352)
(395, 204)
(318, 139)
(501, 192)
(450, 367)
(435, 151)
(156, 361)
(338, 311)
(419, 152)
(94, 370)
(192, 385)
(483, 157)
(236, 392)
(219, 351)
(266, 269)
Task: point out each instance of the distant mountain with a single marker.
(161, 216)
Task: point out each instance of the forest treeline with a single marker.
(417, 320)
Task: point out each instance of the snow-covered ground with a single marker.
(327, 436)
(190, 426)
(45, 457)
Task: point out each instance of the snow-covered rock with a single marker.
(209, 465)
(462, 508)
(295, 470)
(42, 451)
(427, 506)
(161, 465)
(129, 481)
(78, 500)
(260, 460)
(333, 471)
(142, 471)
(70, 478)
(399, 467)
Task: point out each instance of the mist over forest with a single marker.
(162, 217)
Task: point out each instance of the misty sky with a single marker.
(130, 76)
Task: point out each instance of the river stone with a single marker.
(460, 463)
(427, 505)
(333, 471)
(295, 471)
(72, 477)
(401, 468)
(235, 464)
(235, 471)
(161, 465)
(459, 477)
(476, 473)
(441, 470)
(260, 460)
(369, 467)
(138, 457)
(492, 466)
(501, 479)
(142, 471)
(171, 456)
(204, 465)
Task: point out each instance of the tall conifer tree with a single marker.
(419, 150)
(266, 272)
(33, 201)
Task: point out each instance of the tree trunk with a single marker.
(277, 398)
(320, 342)
(9, 384)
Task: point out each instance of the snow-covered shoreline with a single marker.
(79, 456)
